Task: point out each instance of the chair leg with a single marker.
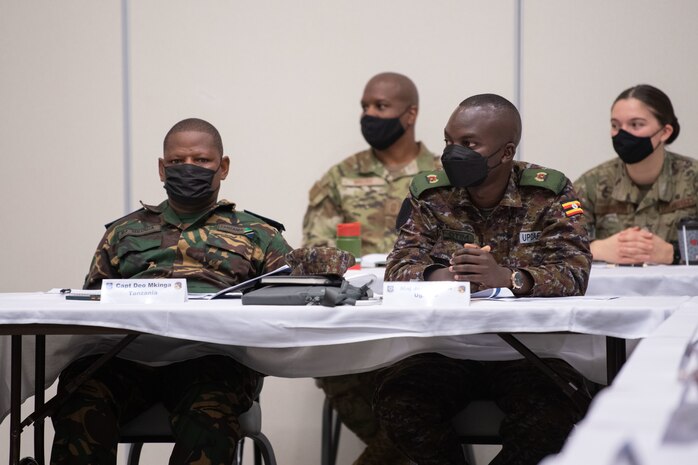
(263, 447)
(468, 453)
(134, 453)
(239, 450)
(257, 454)
(331, 428)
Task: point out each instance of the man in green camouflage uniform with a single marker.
(493, 222)
(369, 187)
(613, 203)
(211, 244)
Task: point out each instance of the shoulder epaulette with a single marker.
(426, 180)
(543, 177)
(276, 224)
(106, 226)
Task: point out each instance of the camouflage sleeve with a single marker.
(274, 253)
(324, 213)
(410, 256)
(584, 186)
(564, 250)
(101, 266)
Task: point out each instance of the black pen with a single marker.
(81, 297)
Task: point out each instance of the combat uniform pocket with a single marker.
(230, 252)
(319, 192)
(139, 249)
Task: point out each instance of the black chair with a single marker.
(478, 423)
(153, 426)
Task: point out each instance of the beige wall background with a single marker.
(282, 82)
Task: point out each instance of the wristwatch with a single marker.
(517, 280)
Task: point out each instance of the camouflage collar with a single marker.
(369, 163)
(511, 198)
(626, 190)
(168, 215)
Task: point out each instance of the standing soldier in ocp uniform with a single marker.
(190, 235)
(369, 187)
(493, 222)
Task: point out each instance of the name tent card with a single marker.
(144, 291)
(427, 294)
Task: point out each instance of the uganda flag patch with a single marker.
(572, 208)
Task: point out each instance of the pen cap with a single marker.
(688, 240)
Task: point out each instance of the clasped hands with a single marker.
(633, 246)
(474, 264)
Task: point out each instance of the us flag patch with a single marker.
(572, 208)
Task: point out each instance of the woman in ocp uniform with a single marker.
(634, 202)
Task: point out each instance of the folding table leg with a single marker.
(39, 396)
(15, 399)
(615, 357)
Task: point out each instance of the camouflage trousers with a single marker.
(352, 397)
(418, 397)
(204, 396)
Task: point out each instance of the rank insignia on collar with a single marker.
(540, 176)
(432, 178)
(572, 208)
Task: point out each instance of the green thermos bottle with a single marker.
(349, 239)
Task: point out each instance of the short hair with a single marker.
(407, 91)
(499, 105)
(659, 104)
(199, 125)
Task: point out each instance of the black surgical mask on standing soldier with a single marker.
(464, 166)
(631, 148)
(189, 184)
(381, 133)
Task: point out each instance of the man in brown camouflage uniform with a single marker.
(369, 187)
(211, 244)
(493, 222)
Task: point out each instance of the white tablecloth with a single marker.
(651, 280)
(633, 415)
(612, 280)
(295, 341)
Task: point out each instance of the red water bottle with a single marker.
(349, 239)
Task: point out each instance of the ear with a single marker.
(412, 115)
(668, 131)
(225, 166)
(509, 152)
(161, 169)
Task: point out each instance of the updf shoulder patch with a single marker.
(428, 180)
(547, 178)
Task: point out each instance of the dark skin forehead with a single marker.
(191, 142)
(481, 125)
(392, 87)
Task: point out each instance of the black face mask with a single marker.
(189, 184)
(381, 133)
(632, 149)
(465, 167)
